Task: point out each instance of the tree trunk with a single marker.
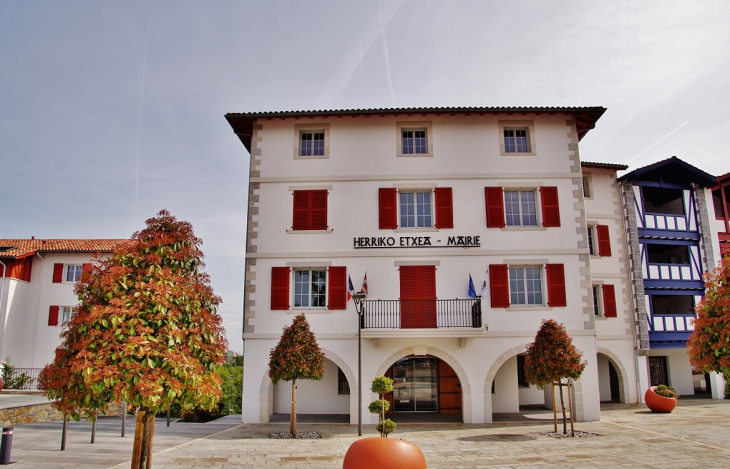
(293, 416)
(143, 434)
(562, 405)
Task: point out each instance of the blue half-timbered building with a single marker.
(670, 247)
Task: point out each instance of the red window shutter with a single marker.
(499, 285)
(427, 291)
(550, 206)
(57, 273)
(319, 210)
(604, 242)
(609, 301)
(337, 285)
(444, 207)
(556, 284)
(279, 288)
(388, 208)
(495, 207)
(53, 315)
(301, 210)
(408, 296)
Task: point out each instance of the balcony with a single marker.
(670, 330)
(422, 314)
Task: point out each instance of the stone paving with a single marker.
(694, 436)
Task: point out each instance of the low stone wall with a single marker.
(41, 413)
(29, 414)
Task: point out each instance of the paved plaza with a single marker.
(694, 436)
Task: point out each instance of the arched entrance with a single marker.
(613, 381)
(267, 405)
(495, 369)
(426, 383)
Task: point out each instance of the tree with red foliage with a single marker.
(709, 344)
(146, 333)
(296, 356)
(551, 358)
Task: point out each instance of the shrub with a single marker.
(666, 391)
(386, 427)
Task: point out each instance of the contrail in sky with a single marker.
(387, 58)
(341, 78)
(141, 107)
(656, 143)
(627, 121)
(39, 166)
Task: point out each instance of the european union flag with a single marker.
(472, 291)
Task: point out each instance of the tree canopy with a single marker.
(709, 344)
(147, 330)
(552, 356)
(296, 356)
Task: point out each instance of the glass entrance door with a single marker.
(415, 380)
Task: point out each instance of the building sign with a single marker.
(416, 242)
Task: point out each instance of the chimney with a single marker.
(32, 237)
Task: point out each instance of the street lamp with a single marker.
(359, 299)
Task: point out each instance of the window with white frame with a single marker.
(67, 313)
(310, 288)
(72, 272)
(586, 182)
(520, 208)
(311, 143)
(592, 240)
(414, 141)
(525, 285)
(597, 301)
(516, 140)
(415, 209)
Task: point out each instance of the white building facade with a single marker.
(37, 278)
(420, 199)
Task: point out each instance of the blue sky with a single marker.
(112, 111)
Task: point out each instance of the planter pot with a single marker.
(383, 453)
(657, 403)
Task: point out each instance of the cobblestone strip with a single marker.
(155, 454)
(668, 435)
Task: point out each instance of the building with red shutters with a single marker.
(37, 277)
(421, 201)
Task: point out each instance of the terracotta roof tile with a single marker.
(12, 248)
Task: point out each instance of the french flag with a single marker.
(350, 288)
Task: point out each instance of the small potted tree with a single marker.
(551, 358)
(383, 453)
(296, 356)
(662, 399)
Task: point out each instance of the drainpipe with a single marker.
(37, 310)
(3, 311)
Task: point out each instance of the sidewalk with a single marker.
(695, 435)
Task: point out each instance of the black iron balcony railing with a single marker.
(421, 314)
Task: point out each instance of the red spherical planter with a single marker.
(383, 453)
(657, 403)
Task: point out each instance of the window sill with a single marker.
(531, 153)
(416, 230)
(308, 311)
(416, 155)
(529, 308)
(315, 157)
(524, 228)
(600, 318)
(327, 231)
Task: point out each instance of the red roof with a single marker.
(14, 248)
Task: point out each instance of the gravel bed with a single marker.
(300, 436)
(567, 435)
